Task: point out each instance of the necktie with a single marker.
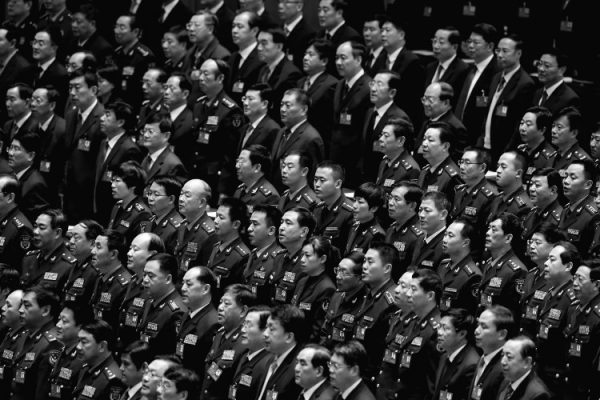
(369, 60)
(544, 97)
(376, 118)
(106, 150)
(14, 129)
(509, 392)
(264, 75)
(328, 36)
(306, 84)
(301, 395)
(466, 92)
(345, 90)
(247, 135)
(147, 163)
(438, 74)
(272, 369)
(39, 71)
(390, 64)
(501, 85)
(79, 122)
(480, 367)
(286, 30)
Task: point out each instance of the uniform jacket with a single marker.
(15, 237)
(362, 235)
(228, 263)
(312, 296)
(335, 221)
(261, 192)
(109, 293)
(166, 228)
(404, 238)
(474, 204)
(443, 179)
(195, 242)
(402, 168)
(100, 382)
(159, 324)
(259, 269)
(48, 270)
(340, 319)
(517, 203)
(305, 197)
(130, 219)
(460, 284)
(81, 281)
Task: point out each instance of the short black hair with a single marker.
(446, 134)
(259, 154)
(92, 228)
(58, 220)
(45, 297)
(462, 320)
(353, 353)
(323, 47)
(238, 211)
(30, 141)
(292, 320)
(88, 11)
(272, 214)
(429, 281)
(264, 91)
(167, 264)
(242, 294)
(573, 115)
(185, 380)
(171, 185)
(510, 224)
(55, 35)
(373, 194)
(402, 127)
(388, 254)
(487, 31)
(184, 82)
(115, 241)
(277, 34)
(132, 173)
(337, 170)
(139, 352)
(570, 255)
(543, 119)
(81, 314)
(25, 90)
(306, 219)
(101, 331)
(124, 112)
(503, 319)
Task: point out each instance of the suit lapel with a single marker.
(158, 163)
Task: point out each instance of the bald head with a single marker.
(10, 309)
(143, 247)
(194, 196)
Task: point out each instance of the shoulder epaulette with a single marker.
(241, 251)
(201, 98)
(487, 192)
(18, 223)
(69, 258)
(139, 206)
(142, 50)
(207, 227)
(592, 210)
(265, 191)
(308, 199)
(389, 298)
(417, 231)
(520, 201)
(434, 323)
(406, 164)
(469, 270)
(580, 155)
(347, 207)
(109, 374)
(228, 103)
(173, 305)
(460, 187)
(241, 186)
(50, 337)
(597, 309)
(123, 280)
(548, 154)
(277, 252)
(174, 222)
(450, 170)
(32, 252)
(321, 204)
(556, 215)
(374, 230)
(513, 265)
(572, 296)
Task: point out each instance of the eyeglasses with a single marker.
(467, 162)
(334, 365)
(155, 195)
(542, 65)
(379, 84)
(152, 373)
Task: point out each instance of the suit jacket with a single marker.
(17, 69)
(96, 45)
(320, 110)
(284, 77)
(241, 78)
(34, 194)
(471, 112)
(264, 134)
(410, 90)
(30, 124)
(324, 392)
(380, 63)
(490, 379)
(297, 42)
(361, 392)
(56, 75)
(182, 138)
(531, 388)
(454, 377)
(461, 138)
(167, 163)
(455, 74)
(179, 16)
(563, 96)
(123, 150)
(225, 14)
(52, 151)
(344, 34)
(213, 50)
(282, 380)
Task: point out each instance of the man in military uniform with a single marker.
(227, 347)
(441, 172)
(21, 22)
(460, 274)
(345, 303)
(199, 324)
(217, 119)
(107, 256)
(164, 309)
(11, 319)
(368, 200)
(100, 378)
(229, 255)
(297, 225)
(51, 263)
(132, 57)
(433, 212)
(196, 236)
(174, 46)
(57, 15)
(295, 170)
(397, 164)
(534, 128)
(509, 178)
(15, 230)
(503, 273)
(163, 193)
(565, 131)
(334, 214)
(544, 189)
(153, 82)
(251, 165)
(38, 348)
(130, 215)
(262, 234)
(403, 203)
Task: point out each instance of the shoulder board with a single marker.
(445, 261)
(426, 168)
(109, 374)
(287, 191)
(579, 155)
(118, 203)
(145, 102)
(406, 164)
(417, 231)
(592, 210)
(123, 280)
(241, 186)
(597, 309)
(201, 98)
(69, 258)
(320, 204)
(460, 187)
(347, 207)
(513, 265)
(520, 201)
(18, 223)
(119, 48)
(434, 323)
(308, 199)
(486, 192)
(277, 252)
(174, 222)
(49, 336)
(374, 230)
(139, 207)
(207, 227)
(469, 270)
(142, 50)
(173, 305)
(242, 251)
(548, 153)
(228, 103)
(571, 294)
(450, 170)
(389, 298)
(32, 252)
(265, 190)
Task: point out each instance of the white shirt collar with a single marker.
(275, 63)
(153, 156)
(516, 383)
(254, 354)
(552, 88)
(20, 174)
(452, 356)
(22, 120)
(335, 29)
(356, 77)
(86, 113)
(376, 52)
(290, 27)
(255, 123)
(195, 312)
(168, 8)
(293, 128)
(313, 78)
(134, 389)
(381, 110)
(487, 358)
(283, 356)
(217, 7)
(175, 113)
(483, 64)
(429, 238)
(510, 74)
(113, 141)
(309, 392)
(244, 53)
(392, 56)
(347, 392)
(45, 65)
(45, 124)
(447, 63)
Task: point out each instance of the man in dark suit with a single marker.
(260, 129)
(285, 334)
(447, 67)
(153, 86)
(375, 59)
(48, 70)
(116, 148)
(494, 326)
(312, 373)
(348, 363)
(278, 72)
(177, 90)
(267, 15)
(297, 31)
(172, 13)
(225, 14)
(555, 94)
(319, 85)
(509, 96)
(520, 380)
(297, 134)
(244, 64)
(18, 98)
(86, 36)
(13, 66)
(83, 139)
(471, 106)
(457, 364)
(350, 105)
(383, 89)
(406, 64)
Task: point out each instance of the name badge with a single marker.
(190, 339)
(389, 182)
(238, 87)
(128, 71)
(245, 380)
(471, 211)
(543, 332)
(203, 137)
(78, 284)
(524, 12)
(566, 26)
(179, 349)
(400, 246)
(539, 295)
(496, 282)
(228, 355)
(289, 277)
(348, 318)
(105, 297)
(124, 223)
(272, 395)
(481, 101)
(345, 119)
(231, 395)
(131, 320)
(138, 302)
(445, 395)
(575, 350)
(83, 145)
(214, 371)
(50, 276)
(88, 391)
(212, 120)
(405, 360)
(20, 376)
(501, 110)
(30, 356)
(469, 10)
(65, 373)
(476, 394)
(55, 391)
(390, 356)
(338, 335)
(432, 188)
(305, 306)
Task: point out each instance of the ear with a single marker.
(444, 214)
(387, 268)
(338, 184)
(236, 225)
(509, 238)
(244, 312)
(46, 310)
(393, 93)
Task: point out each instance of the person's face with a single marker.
(40, 106)
(388, 142)
(80, 26)
(197, 30)
(150, 86)
(305, 374)
(16, 107)
(105, 87)
(539, 248)
(291, 172)
(253, 104)
(167, 390)
(397, 205)
(109, 123)
(158, 201)
(441, 46)
(78, 243)
(245, 170)
(595, 144)
(328, 16)
(66, 328)
(345, 62)
(250, 5)
(44, 236)
(289, 9)
(87, 347)
(380, 92)
(291, 111)
(192, 290)
(30, 311)
(312, 61)
(310, 260)
(470, 169)
(138, 252)
(171, 47)
(449, 338)
(583, 286)
(401, 291)
(277, 339)
(155, 280)
(345, 277)
(53, 5)
(173, 94)
(268, 50)
(152, 378)
(432, 105)
(123, 32)
(495, 237)
(513, 364)
(528, 128)
(101, 256)
(229, 313)
(17, 8)
(562, 134)
(507, 173)
(430, 217)
(372, 34)
(5, 200)
(555, 269)
(42, 47)
(259, 231)
(190, 199)
(18, 157)
(241, 33)
(362, 211)
(417, 297)
(131, 375)
(80, 93)
(210, 79)
(539, 191)
(325, 184)
(340, 374)
(432, 146)
(119, 188)
(10, 309)
(487, 335)
(374, 270)
(252, 336)
(575, 185)
(290, 230)
(391, 36)
(75, 62)
(477, 48)
(5, 46)
(507, 54)
(548, 70)
(152, 138)
(223, 223)
(453, 241)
